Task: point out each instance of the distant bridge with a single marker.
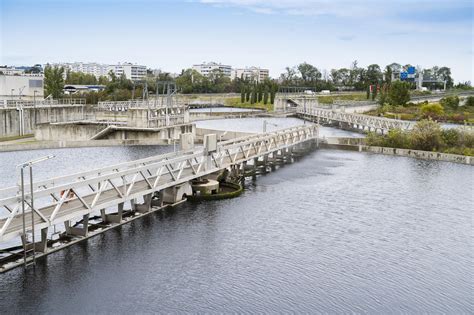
(351, 120)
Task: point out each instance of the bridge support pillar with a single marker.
(159, 201)
(40, 246)
(113, 218)
(72, 230)
(145, 206)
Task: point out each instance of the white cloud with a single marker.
(340, 8)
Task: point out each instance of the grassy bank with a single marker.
(427, 135)
(235, 102)
(437, 111)
(329, 99)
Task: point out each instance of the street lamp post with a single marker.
(21, 185)
(34, 104)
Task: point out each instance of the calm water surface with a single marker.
(71, 160)
(335, 232)
(256, 125)
(223, 110)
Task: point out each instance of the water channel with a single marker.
(334, 232)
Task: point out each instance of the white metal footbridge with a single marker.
(70, 198)
(353, 120)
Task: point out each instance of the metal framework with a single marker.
(65, 198)
(41, 103)
(357, 120)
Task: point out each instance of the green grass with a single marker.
(329, 99)
(11, 138)
(235, 102)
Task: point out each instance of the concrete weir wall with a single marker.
(428, 155)
(221, 134)
(10, 118)
(85, 131)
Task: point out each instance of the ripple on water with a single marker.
(374, 234)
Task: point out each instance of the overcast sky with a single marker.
(173, 35)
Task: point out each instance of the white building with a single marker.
(25, 87)
(131, 71)
(11, 70)
(206, 68)
(253, 74)
(93, 68)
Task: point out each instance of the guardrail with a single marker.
(126, 105)
(111, 186)
(370, 122)
(39, 103)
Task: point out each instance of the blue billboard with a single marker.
(411, 70)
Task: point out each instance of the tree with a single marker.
(309, 73)
(444, 74)
(399, 93)
(265, 97)
(373, 74)
(289, 77)
(388, 75)
(54, 81)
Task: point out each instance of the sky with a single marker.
(172, 35)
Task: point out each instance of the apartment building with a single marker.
(206, 68)
(131, 71)
(252, 73)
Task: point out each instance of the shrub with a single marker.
(399, 93)
(450, 102)
(450, 137)
(433, 111)
(396, 138)
(426, 135)
(469, 101)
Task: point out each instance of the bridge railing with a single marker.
(110, 186)
(41, 102)
(160, 102)
(368, 121)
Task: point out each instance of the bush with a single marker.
(399, 93)
(396, 138)
(450, 102)
(469, 101)
(450, 137)
(433, 111)
(426, 135)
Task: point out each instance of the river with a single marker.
(335, 232)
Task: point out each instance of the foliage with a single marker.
(427, 135)
(399, 93)
(433, 111)
(450, 102)
(469, 101)
(54, 81)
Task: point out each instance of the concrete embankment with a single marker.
(426, 155)
(358, 144)
(39, 145)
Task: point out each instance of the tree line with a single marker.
(354, 78)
